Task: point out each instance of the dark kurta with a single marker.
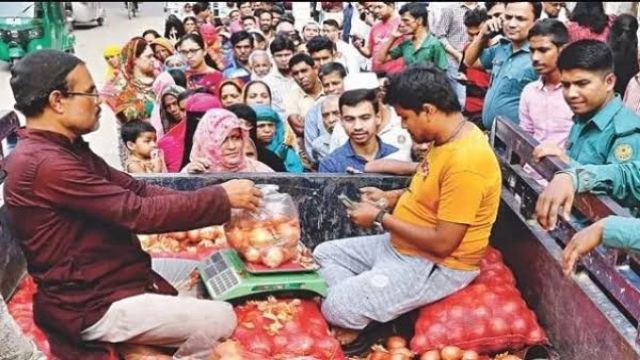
(76, 218)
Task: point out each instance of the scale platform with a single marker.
(226, 277)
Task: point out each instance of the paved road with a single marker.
(90, 42)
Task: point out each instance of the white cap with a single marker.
(362, 80)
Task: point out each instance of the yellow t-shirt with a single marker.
(462, 185)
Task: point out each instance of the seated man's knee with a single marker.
(341, 310)
(219, 320)
(323, 251)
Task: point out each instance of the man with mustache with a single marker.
(544, 114)
(604, 130)
(509, 61)
(76, 219)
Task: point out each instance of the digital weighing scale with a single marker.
(226, 277)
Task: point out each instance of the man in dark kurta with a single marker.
(76, 218)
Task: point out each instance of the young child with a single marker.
(144, 155)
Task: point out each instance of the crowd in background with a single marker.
(249, 89)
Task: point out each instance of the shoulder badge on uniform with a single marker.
(623, 152)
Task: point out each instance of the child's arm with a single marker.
(135, 168)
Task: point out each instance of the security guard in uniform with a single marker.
(605, 131)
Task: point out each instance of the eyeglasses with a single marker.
(95, 94)
(189, 52)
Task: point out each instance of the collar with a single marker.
(539, 84)
(606, 113)
(506, 42)
(384, 149)
(426, 40)
(49, 136)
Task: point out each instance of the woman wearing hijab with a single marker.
(173, 29)
(162, 49)
(249, 118)
(213, 46)
(112, 57)
(177, 142)
(230, 92)
(175, 62)
(219, 145)
(270, 133)
(130, 95)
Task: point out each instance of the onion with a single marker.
(396, 342)
(208, 233)
(193, 236)
(273, 257)
(252, 255)
(401, 354)
(288, 233)
(235, 238)
(470, 355)
(451, 353)
(179, 235)
(431, 355)
(378, 355)
(260, 237)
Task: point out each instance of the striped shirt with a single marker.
(632, 94)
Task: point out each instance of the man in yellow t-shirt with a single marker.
(439, 226)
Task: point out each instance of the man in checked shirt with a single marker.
(452, 33)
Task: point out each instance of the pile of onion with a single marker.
(450, 353)
(180, 241)
(396, 349)
(270, 242)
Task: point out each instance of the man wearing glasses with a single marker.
(76, 218)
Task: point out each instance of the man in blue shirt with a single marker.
(509, 61)
(242, 43)
(359, 112)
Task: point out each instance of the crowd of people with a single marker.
(248, 92)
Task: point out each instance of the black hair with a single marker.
(319, 43)
(475, 17)
(257, 37)
(186, 94)
(331, 22)
(287, 18)
(243, 2)
(419, 85)
(551, 28)
(246, 112)
(490, 4)
(590, 14)
(200, 6)
(590, 55)
(192, 18)
(239, 36)
(27, 102)
(150, 31)
(132, 130)
(193, 37)
(261, 11)
(173, 23)
(536, 7)
(332, 67)
(179, 77)
(418, 11)
(277, 9)
(623, 41)
(281, 42)
(245, 91)
(381, 74)
(300, 57)
(352, 98)
(242, 19)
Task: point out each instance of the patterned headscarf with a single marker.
(214, 128)
(175, 58)
(128, 55)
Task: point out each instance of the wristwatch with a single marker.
(377, 221)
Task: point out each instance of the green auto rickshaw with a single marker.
(29, 26)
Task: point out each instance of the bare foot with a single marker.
(345, 336)
(142, 352)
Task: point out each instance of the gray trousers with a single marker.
(14, 345)
(369, 280)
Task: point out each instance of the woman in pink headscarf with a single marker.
(219, 145)
(177, 142)
(212, 44)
